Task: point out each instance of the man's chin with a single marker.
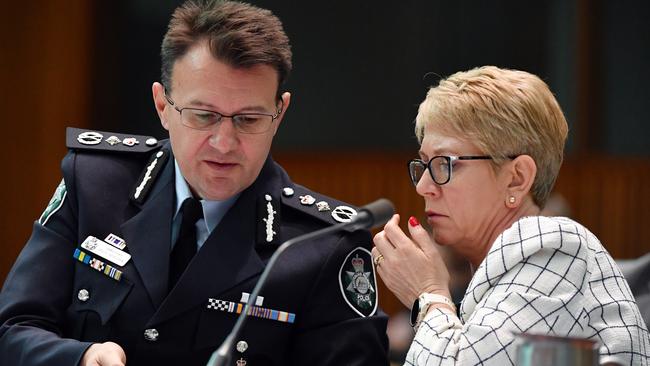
(218, 195)
(220, 189)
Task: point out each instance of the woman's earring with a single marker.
(512, 200)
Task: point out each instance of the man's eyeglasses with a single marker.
(440, 167)
(202, 119)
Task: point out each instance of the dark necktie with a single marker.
(185, 246)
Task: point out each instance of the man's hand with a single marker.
(104, 354)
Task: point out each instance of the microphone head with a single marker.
(378, 212)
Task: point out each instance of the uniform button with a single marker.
(242, 346)
(151, 334)
(83, 295)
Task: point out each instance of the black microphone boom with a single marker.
(374, 214)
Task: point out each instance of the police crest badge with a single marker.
(358, 282)
(55, 203)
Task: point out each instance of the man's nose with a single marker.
(224, 135)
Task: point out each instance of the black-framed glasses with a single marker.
(440, 167)
(203, 119)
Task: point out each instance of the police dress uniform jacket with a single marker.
(543, 275)
(60, 298)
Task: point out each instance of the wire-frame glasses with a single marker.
(203, 119)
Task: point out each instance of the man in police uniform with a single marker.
(148, 250)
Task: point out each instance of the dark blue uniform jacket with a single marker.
(45, 322)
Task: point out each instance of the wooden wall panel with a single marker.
(44, 63)
(611, 197)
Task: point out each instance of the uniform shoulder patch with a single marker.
(81, 139)
(358, 282)
(325, 208)
(55, 203)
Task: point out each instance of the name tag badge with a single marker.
(115, 241)
(105, 250)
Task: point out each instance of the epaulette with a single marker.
(82, 139)
(326, 209)
(318, 206)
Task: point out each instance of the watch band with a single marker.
(422, 304)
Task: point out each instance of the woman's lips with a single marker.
(433, 216)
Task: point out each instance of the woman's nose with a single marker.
(426, 186)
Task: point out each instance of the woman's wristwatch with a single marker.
(421, 307)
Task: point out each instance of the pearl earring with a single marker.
(512, 199)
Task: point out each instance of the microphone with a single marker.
(374, 214)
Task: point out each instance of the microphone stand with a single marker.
(221, 357)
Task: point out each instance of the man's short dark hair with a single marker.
(238, 34)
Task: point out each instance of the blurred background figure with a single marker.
(556, 205)
(637, 274)
(400, 336)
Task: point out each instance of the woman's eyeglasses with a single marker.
(440, 167)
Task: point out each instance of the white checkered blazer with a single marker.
(544, 275)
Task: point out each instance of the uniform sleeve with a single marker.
(335, 333)
(37, 291)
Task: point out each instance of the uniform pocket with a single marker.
(96, 298)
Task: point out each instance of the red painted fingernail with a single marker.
(413, 221)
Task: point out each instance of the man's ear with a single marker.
(286, 100)
(159, 101)
(522, 171)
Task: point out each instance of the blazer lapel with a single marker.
(148, 232)
(226, 259)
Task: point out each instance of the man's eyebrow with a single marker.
(195, 103)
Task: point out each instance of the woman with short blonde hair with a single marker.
(491, 146)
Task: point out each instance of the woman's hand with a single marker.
(410, 265)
